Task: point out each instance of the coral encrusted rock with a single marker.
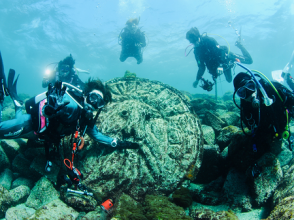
(158, 118)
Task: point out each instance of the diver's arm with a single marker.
(246, 58)
(98, 136)
(201, 67)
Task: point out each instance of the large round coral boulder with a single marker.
(159, 118)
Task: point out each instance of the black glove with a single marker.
(127, 145)
(54, 99)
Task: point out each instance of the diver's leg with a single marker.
(228, 73)
(139, 56)
(246, 58)
(19, 127)
(123, 56)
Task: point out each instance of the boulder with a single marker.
(265, 185)
(13, 147)
(285, 188)
(4, 161)
(19, 194)
(157, 117)
(95, 215)
(283, 210)
(22, 181)
(42, 193)
(226, 135)
(214, 121)
(19, 212)
(56, 209)
(231, 118)
(128, 208)
(6, 178)
(159, 207)
(5, 201)
(236, 192)
(208, 135)
(211, 215)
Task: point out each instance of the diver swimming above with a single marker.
(208, 53)
(132, 40)
(57, 113)
(65, 72)
(265, 108)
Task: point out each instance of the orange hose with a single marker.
(82, 143)
(70, 164)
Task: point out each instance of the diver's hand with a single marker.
(195, 84)
(238, 43)
(54, 100)
(127, 145)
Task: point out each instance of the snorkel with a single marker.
(266, 99)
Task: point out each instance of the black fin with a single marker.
(3, 85)
(12, 85)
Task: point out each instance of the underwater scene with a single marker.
(146, 110)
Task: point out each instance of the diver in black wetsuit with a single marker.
(132, 40)
(57, 113)
(265, 108)
(208, 53)
(65, 72)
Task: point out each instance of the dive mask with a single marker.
(95, 98)
(245, 91)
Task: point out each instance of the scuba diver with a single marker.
(132, 40)
(265, 109)
(286, 72)
(65, 72)
(208, 53)
(61, 111)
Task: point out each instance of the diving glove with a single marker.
(195, 84)
(124, 144)
(54, 100)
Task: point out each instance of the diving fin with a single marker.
(12, 86)
(3, 85)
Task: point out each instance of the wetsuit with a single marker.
(28, 125)
(211, 55)
(271, 119)
(71, 78)
(132, 44)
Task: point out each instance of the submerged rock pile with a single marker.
(193, 156)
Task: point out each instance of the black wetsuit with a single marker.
(271, 119)
(132, 44)
(28, 125)
(211, 55)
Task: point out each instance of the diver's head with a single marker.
(96, 94)
(244, 86)
(66, 66)
(193, 36)
(132, 25)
